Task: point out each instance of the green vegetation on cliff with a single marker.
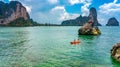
(21, 22)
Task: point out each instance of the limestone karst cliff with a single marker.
(14, 12)
(81, 20)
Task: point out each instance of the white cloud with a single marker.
(57, 12)
(72, 2)
(60, 12)
(84, 8)
(29, 8)
(56, 15)
(115, 1)
(108, 10)
(67, 16)
(52, 1)
(58, 8)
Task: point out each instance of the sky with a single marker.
(56, 11)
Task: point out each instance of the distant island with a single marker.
(112, 22)
(81, 20)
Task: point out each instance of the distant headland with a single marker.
(81, 20)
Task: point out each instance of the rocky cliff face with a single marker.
(112, 22)
(93, 16)
(79, 21)
(12, 11)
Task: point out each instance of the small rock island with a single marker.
(90, 27)
(115, 52)
(112, 22)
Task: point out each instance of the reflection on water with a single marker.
(87, 37)
(50, 47)
(115, 63)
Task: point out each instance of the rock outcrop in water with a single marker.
(93, 15)
(112, 22)
(89, 29)
(81, 20)
(115, 52)
(14, 14)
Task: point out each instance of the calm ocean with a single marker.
(50, 47)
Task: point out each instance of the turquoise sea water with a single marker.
(50, 47)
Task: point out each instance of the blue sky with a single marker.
(55, 11)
